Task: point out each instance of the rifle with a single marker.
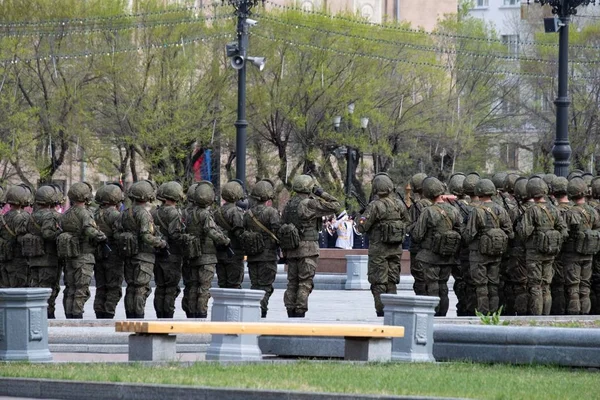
(401, 198)
(464, 211)
(506, 207)
(362, 203)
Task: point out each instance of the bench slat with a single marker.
(260, 328)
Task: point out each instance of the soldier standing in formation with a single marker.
(167, 270)
(77, 244)
(438, 232)
(230, 218)
(109, 269)
(557, 286)
(186, 271)
(304, 212)
(264, 220)
(44, 227)
(138, 242)
(419, 203)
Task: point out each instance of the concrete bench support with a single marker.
(153, 347)
(356, 272)
(235, 305)
(367, 349)
(24, 324)
(415, 314)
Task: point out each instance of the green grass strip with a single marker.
(447, 379)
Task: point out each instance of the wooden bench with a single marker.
(155, 340)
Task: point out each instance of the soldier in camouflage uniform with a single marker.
(541, 228)
(515, 286)
(230, 218)
(455, 187)
(138, 235)
(557, 287)
(109, 268)
(438, 232)
(304, 211)
(45, 225)
(79, 223)
(185, 267)
(583, 242)
(595, 289)
(167, 270)
(385, 221)
(262, 267)
(201, 225)
(470, 302)
(14, 268)
(488, 224)
(419, 203)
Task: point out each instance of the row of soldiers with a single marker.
(530, 245)
(167, 243)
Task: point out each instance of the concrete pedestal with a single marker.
(235, 305)
(367, 349)
(152, 347)
(24, 324)
(415, 314)
(356, 272)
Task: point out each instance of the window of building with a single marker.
(482, 3)
(512, 2)
(512, 44)
(509, 155)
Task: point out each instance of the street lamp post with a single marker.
(237, 51)
(562, 149)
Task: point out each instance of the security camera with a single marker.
(251, 22)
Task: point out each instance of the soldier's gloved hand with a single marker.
(101, 237)
(318, 191)
(162, 244)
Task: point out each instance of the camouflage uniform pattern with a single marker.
(45, 270)
(263, 267)
(79, 221)
(167, 270)
(230, 268)
(14, 273)
(109, 269)
(302, 262)
(438, 218)
(420, 284)
(557, 287)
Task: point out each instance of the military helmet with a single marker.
(536, 187)
(142, 191)
(509, 183)
(498, 180)
(232, 191)
(416, 182)
(59, 196)
(263, 191)
(559, 186)
(521, 189)
(18, 195)
(302, 184)
(432, 187)
(191, 192)
(170, 191)
(80, 192)
(485, 187)
(205, 194)
(595, 187)
(574, 173)
(549, 178)
(111, 194)
(382, 184)
(588, 178)
(470, 182)
(45, 195)
(455, 184)
(577, 188)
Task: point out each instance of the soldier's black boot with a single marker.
(159, 314)
(108, 315)
(263, 313)
(300, 314)
(291, 313)
(51, 315)
(201, 315)
(190, 315)
(100, 315)
(168, 315)
(69, 316)
(77, 316)
(379, 313)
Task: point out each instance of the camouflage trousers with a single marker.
(578, 275)
(515, 285)
(384, 274)
(167, 274)
(460, 273)
(262, 276)
(196, 293)
(485, 276)
(301, 272)
(539, 277)
(78, 275)
(47, 277)
(436, 278)
(419, 285)
(595, 290)
(230, 272)
(138, 274)
(557, 287)
(108, 274)
(14, 273)
(467, 307)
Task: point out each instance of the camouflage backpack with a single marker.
(494, 241)
(549, 241)
(447, 242)
(67, 245)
